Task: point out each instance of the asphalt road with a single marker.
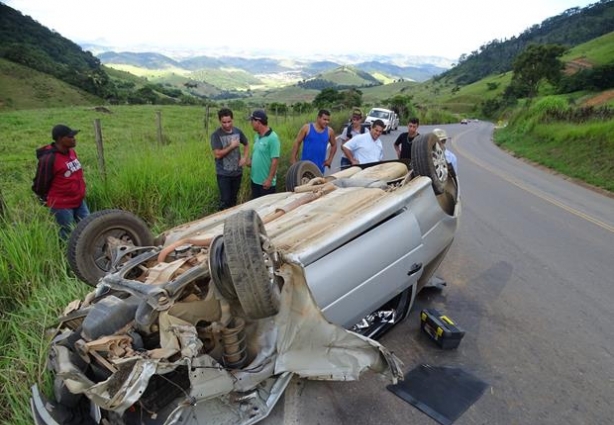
(531, 280)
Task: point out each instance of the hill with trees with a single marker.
(26, 42)
(571, 28)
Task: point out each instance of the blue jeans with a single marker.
(345, 162)
(68, 217)
(229, 190)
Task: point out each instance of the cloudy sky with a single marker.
(295, 28)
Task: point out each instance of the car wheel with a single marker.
(300, 173)
(218, 267)
(88, 250)
(251, 263)
(428, 159)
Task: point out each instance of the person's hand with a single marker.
(266, 184)
(242, 162)
(234, 143)
(327, 163)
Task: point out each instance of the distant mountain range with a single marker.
(268, 67)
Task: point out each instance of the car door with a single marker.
(362, 275)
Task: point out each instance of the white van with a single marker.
(385, 115)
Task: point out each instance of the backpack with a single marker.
(348, 130)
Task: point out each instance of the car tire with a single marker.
(251, 268)
(428, 159)
(300, 173)
(87, 253)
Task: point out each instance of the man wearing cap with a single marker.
(443, 138)
(265, 156)
(353, 129)
(59, 182)
(315, 138)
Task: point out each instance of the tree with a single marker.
(401, 104)
(326, 98)
(351, 98)
(536, 63)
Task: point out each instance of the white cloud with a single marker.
(443, 28)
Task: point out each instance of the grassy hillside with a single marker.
(289, 95)
(378, 93)
(579, 147)
(24, 88)
(348, 76)
(599, 51)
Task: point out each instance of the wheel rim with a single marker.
(306, 177)
(100, 249)
(271, 261)
(440, 163)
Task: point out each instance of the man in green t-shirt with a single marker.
(265, 156)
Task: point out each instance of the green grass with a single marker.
(24, 88)
(166, 184)
(598, 51)
(582, 151)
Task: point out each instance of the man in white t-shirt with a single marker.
(366, 147)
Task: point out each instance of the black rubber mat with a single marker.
(443, 393)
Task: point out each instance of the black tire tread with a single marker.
(422, 160)
(91, 228)
(255, 290)
(297, 171)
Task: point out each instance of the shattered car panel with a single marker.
(215, 320)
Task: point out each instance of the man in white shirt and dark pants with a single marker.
(366, 147)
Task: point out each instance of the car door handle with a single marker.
(415, 268)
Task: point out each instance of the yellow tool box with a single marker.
(440, 328)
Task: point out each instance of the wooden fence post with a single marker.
(99, 145)
(3, 208)
(207, 123)
(159, 125)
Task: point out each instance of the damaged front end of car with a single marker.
(211, 328)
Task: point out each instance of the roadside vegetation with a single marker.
(576, 142)
(165, 183)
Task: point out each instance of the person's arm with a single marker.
(44, 176)
(297, 142)
(218, 151)
(333, 147)
(272, 172)
(348, 154)
(397, 145)
(243, 140)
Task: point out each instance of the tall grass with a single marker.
(585, 151)
(165, 184)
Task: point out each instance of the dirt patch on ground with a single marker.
(600, 99)
(576, 65)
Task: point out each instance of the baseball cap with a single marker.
(441, 134)
(258, 115)
(62, 130)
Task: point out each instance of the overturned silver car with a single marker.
(208, 322)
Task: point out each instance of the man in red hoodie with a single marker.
(59, 181)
